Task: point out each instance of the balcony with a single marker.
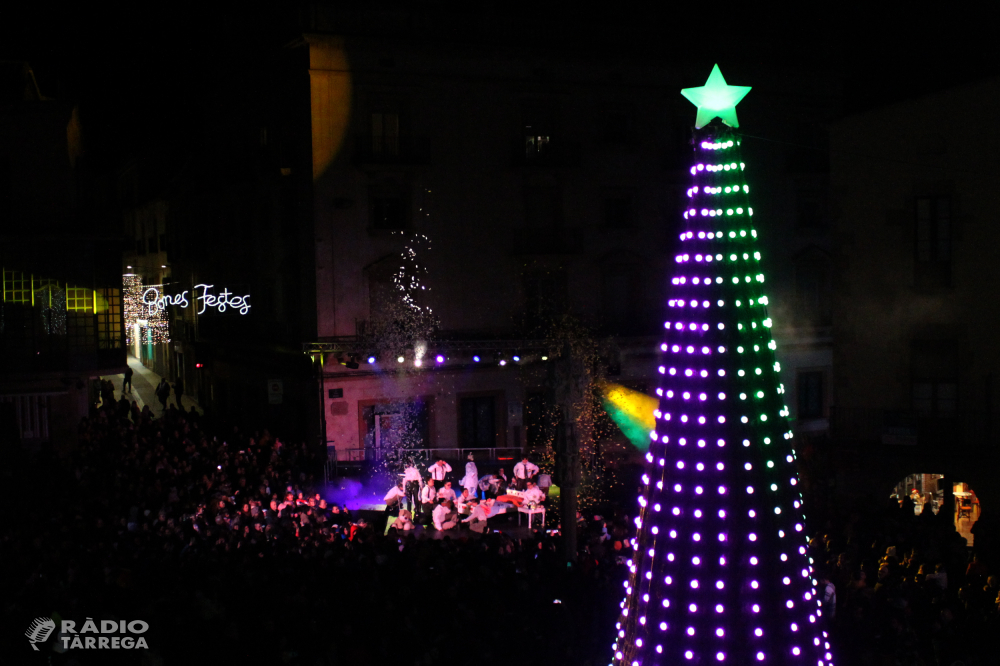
(909, 428)
(552, 153)
(547, 241)
(391, 151)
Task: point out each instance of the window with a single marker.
(934, 368)
(617, 295)
(109, 318)
(618, 211)
(31, 414)
(621, 293)
(477, 428)
(536, 142)
(6, 187)
(614, 127)
(388, 212)
(935, 398)
(542, 207)
(933, 242)
(812, 287)
(50, 299)
(80, 330)
(540, 419)
(536, 122)
(383, 296)
(544, 295)
(16, 287)
(385, 134)
(809, 391)
(809, 211)
(79, 299)
(395, 425)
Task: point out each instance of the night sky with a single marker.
(148, 67)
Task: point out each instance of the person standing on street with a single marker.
(128, 379)
(163, 393)
(179, 392)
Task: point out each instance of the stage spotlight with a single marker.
(503, 361)
(400, 359)
(476, 359)
(371, 359)
(440, 358)
(352, 365)
(517, 358)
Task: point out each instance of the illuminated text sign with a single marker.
(221, 302)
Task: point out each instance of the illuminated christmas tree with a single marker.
(720, 572)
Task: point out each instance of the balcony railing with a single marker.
(547, 241)
(556, 153)
(378, 454)
(354, 457)
(402, 150)
(911, 428)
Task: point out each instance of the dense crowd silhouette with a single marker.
(223, 542)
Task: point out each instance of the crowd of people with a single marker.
(223, 542)
(218, 539)
(906, 590)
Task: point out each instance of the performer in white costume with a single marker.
(471, 479)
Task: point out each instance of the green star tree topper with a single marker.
(716, 99)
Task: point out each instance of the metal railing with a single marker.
(359, 344)
(373, 453)
(354, 457)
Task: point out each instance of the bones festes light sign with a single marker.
(204, 297)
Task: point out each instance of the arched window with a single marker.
(622, 307)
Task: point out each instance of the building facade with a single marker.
(532, 184)
(914, 327)
(61, 310)
(469, 206)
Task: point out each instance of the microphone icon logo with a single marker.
(39, 631)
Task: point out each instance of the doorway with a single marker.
(927, 493)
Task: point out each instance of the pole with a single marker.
(322, 415)
(568, 474)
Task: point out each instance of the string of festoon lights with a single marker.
(720, 572)
(476, 359)
(153, 326)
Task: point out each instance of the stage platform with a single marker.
(507, 524)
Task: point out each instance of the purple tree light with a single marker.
(720, 572)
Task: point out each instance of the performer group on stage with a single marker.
(433, 502)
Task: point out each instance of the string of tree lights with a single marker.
(720, 572)
(153, 324)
